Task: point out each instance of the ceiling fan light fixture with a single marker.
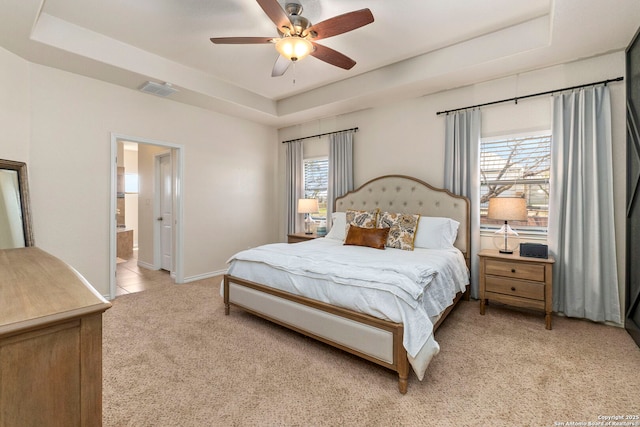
(294, 48)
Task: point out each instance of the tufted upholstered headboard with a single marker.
(404, 194)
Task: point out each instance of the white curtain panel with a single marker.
(294, 182)
(340, 169)
(462, 173)
(581, 228)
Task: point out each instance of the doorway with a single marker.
(159, 209)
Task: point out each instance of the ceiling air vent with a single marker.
(158, 89)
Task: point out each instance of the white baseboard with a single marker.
(205, 276)
(186, 279)
(147, 265)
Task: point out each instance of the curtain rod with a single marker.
(532, 95)
(321, 134)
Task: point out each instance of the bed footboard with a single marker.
(370, 338)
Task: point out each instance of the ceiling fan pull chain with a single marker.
(294, 72)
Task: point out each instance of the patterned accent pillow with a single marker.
(402, 231)
(364, 219)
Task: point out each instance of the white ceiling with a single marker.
(414, 47)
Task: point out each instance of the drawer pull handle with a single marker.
(513, 270)
(513, 288)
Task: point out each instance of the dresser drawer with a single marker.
(516, 270)
(516, 288)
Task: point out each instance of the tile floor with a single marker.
(131, 278)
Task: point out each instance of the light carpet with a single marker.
(172, 358)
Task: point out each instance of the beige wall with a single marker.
(14, 107)
(61, 124)
(407, 137)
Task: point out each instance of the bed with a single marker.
(325, 289)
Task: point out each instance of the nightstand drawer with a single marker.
(516, 270)
(518, 288)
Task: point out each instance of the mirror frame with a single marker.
(23, 183)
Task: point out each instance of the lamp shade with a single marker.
(507, 208)
(294, 48)
(308, 206)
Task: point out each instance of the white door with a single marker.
(166, 211)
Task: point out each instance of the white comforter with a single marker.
(405, 275)
(408, 287)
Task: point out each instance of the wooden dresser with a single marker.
(517, 281)
(50, 342)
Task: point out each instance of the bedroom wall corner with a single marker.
(15, 113)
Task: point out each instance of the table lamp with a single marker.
(507, 209)
(307, 207)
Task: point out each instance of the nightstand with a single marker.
(300, 237)
(517, 281)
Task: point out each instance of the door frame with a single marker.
(178, 247)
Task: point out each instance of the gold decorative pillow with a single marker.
(402, 229)
(372, 237)
(364, 219)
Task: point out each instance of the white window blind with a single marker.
(517, 167)
(316, 183)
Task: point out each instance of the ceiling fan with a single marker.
(298, 36)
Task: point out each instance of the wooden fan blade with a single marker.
(276, 13)
(332, 57)
(341, 24)
(241, 40)
(280, 67)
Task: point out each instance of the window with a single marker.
(516, 167)
(131, 183)
(316, 183)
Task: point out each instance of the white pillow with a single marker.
(338, 225)
(436, 233)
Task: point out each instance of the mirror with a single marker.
(15, 212)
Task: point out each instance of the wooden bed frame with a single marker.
(373, 339)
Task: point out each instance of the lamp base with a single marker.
(506, 240)
(308, 225)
